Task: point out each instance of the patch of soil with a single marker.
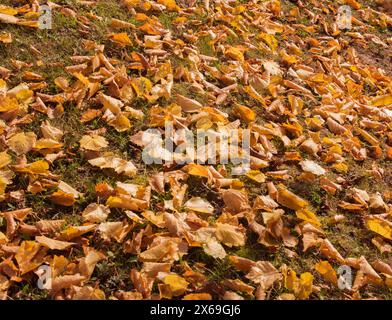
(376, 56)
(385, 6)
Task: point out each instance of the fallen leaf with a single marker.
(327, 272)
(178, 285)
(94, 143)
(52, 243)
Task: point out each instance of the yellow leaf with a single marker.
(120, 38)
(301, 287)
(290, 278)
(340, 167)
(289, 59)
(235, 54)
(74, 232)
(52, 243)
(382, 100)
(368, 137)
(113, 104)
(379, 225)
(81, 78)
(63, 186)
(327, 271)
(22, 142)
(3, 238)
(180, 20)
(256, 175)
(295, 128)
(305, 286)
(116, 23)
(132, 3)
(47, 144)
(353, 88)
(255, 95)
(24, 93)
(204, 123)
(171, 5)
(178, 285)
(308, 216)
(8, 10)
(89, 293)
(3, 86)
(5, 159)
(39, 167)
(121, 123)
(157, 219)
(270, 40)
(90, 114)
(197, 296)
(215, 115)
(142, 86)
(244, 113)
(354, 4)
(150, 29)
(230, 235)
(29, 256)
(5, 179)
(290, 200)
(197, 170)
(6, 37)
(126, 202)
(62, 198)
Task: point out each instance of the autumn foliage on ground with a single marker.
(76, 196)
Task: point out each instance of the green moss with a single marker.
(204, 45)
(29, 291)
(166, 18)
(140, 179)
(302, 33)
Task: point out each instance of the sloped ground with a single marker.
(77, 197)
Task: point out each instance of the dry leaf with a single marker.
(53, 244)
(94, 143)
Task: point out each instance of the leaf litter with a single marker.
(76, 196)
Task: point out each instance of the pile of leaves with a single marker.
(76, 196)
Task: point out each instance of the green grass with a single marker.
(204, 45)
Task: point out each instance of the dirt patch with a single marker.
(385, 6)
(376, 56)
